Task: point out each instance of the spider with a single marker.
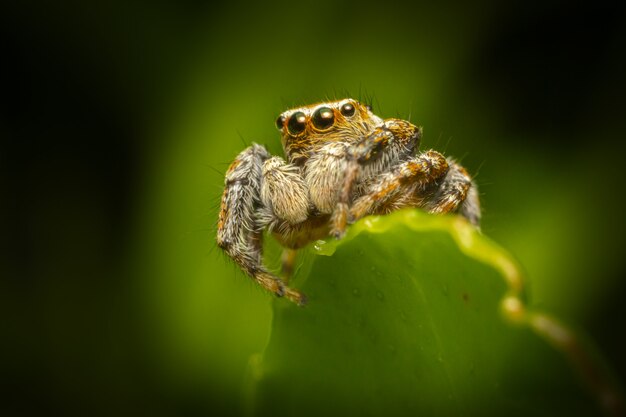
(343, 163)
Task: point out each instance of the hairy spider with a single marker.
(344, 163)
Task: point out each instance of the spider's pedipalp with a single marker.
(284, 191)
(324, 174)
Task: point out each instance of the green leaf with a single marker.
(414, 314)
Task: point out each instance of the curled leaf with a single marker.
(414, 314)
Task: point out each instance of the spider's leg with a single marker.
(239, 232)
(286, 202)
(456, 193)
(288, 263)
(406, 185)
(384, 147)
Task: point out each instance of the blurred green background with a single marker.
(118, 120)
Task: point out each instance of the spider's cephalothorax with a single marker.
(344, 162)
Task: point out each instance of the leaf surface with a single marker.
(414, 314)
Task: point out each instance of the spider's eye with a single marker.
(368, 107)
(323, 118)
(347, 110)
(297, 123)
(280, 122)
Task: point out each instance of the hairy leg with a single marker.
(335, 169)
(456, 193)
(406, 185)
(288, 263)
(239, 233)
(470, 208)
(435, 184)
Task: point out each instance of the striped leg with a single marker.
(238, 231)
(371, 156)
(456, 193)
(406, 185)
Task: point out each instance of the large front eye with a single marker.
(280, 122)
(347, 109)
(323, 118)
(297, 123)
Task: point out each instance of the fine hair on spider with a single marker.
(342, 162)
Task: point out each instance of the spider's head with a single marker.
(306, 128)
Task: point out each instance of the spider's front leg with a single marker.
(456, 193)
(390, 143)
(428, 181)
(240, 229)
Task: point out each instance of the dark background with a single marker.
(115, 118)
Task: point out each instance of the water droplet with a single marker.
(380, 295)
(356, 292)
(445, 290)
(440, 358)
(373, 269)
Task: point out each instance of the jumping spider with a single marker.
(344, 163)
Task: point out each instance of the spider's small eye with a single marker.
(297, 123)
(368, 107)
(347, 109)
(323, 118)
(280, 122)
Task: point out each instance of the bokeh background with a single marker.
(119, 118)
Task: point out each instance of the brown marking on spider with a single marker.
(343, 163)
